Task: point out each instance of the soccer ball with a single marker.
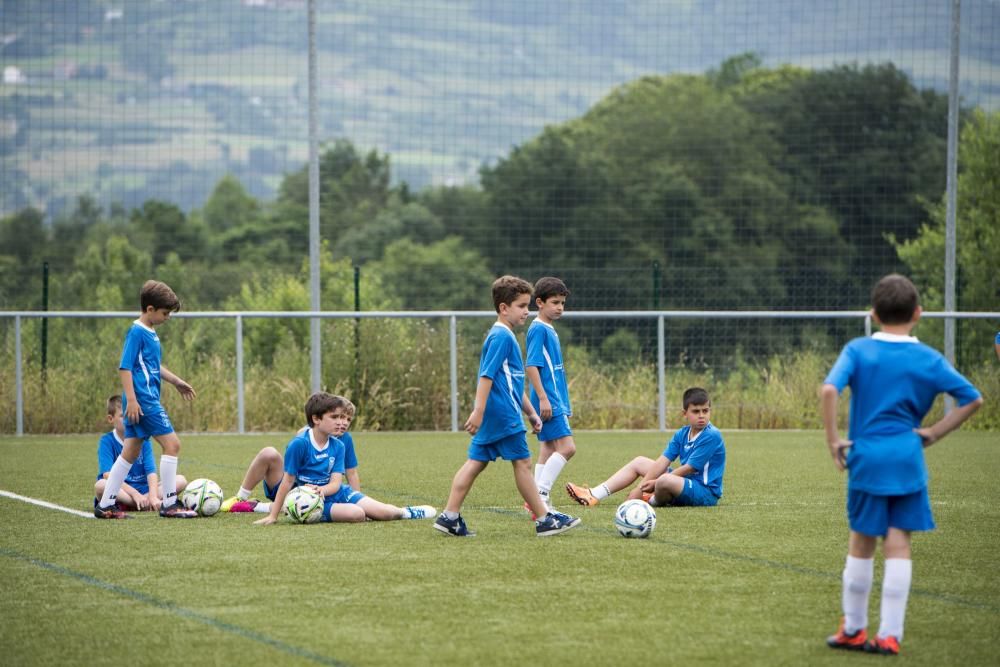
(203, 496)
(304, 505)
(635, 518)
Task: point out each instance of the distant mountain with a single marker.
(132, 101)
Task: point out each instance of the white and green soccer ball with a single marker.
(303, 505)
(635, 518)
(203, 496)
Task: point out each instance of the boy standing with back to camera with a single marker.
(894, 380)
(495, 423)
(140, 371)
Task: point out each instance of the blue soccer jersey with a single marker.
(500, 361)
(310, 464)
(141, 356)
(545, 354)
(894, 381)
(109, 447)
(706, 453)
(350, 458)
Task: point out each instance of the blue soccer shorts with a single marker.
(874, 515)
(512, 448)
(345, 495)
(695, 494)
(151, 423)
(555, 428)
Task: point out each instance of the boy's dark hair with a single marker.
(158, 295)
(895, 299)
(695, 396)
(548, 287)
(507, 288)
(114, 404)
(319, 404)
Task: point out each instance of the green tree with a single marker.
(445, 275)
(978, 238)
(23, 238)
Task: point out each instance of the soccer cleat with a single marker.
(454, 527)
(112, 512)
(883, 645)
(555, 523)
(242, 506)
(852, 642)
(420, 511)
(229, 502)
(581, 494)
(177, 511)
(646, 497)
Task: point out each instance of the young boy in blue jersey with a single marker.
(549, 391)
(894, 380)
(699, 451)
(495, 423)
(141, 372)
(134, 493)
(319, 456)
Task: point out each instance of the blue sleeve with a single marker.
(495, 352)
(130, 350)
(536, 347)
(105, 457)
(954, 384)
(705, 450)
(147, 457)
(292, 462)
(997, 341)
(673, 449)
(337, 452)
(840, 375)
(350, 458)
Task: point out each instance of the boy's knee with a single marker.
(567, 449)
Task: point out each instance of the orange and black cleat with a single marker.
(883, 645)
(581, 494)
(855, 641)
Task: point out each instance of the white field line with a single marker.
(42, 503)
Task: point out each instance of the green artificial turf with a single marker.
(755, 580)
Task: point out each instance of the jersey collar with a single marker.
(894, 338)
(147, 328)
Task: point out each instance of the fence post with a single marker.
(453, 379)
(240, 404)
(19, 379)
(661, 379)
(868, 324)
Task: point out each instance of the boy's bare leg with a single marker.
(346, 513)
(267, 466)
(667, 488)
(526, 486)
(462, 482)
(628, 473)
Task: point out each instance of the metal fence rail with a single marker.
(863, 317)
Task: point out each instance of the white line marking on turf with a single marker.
(42, 503)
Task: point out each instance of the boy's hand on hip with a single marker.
(838, 450)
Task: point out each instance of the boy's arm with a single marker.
(475, 419)
(353, 479)
(948, 423)
(132, 410)
(153, 498)
(529, 409)
(279, 501)
(186, 390)
(838, 446)
(331, 487)
(544, 405)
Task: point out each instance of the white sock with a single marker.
(244, 494)
(168, 474)
(895, 591)
(601, 492)
(550, 471)
(539, 467)
(262, 508)
(114, 482)
(857, 578)
(451, 516)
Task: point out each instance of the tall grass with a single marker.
(398, 374)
